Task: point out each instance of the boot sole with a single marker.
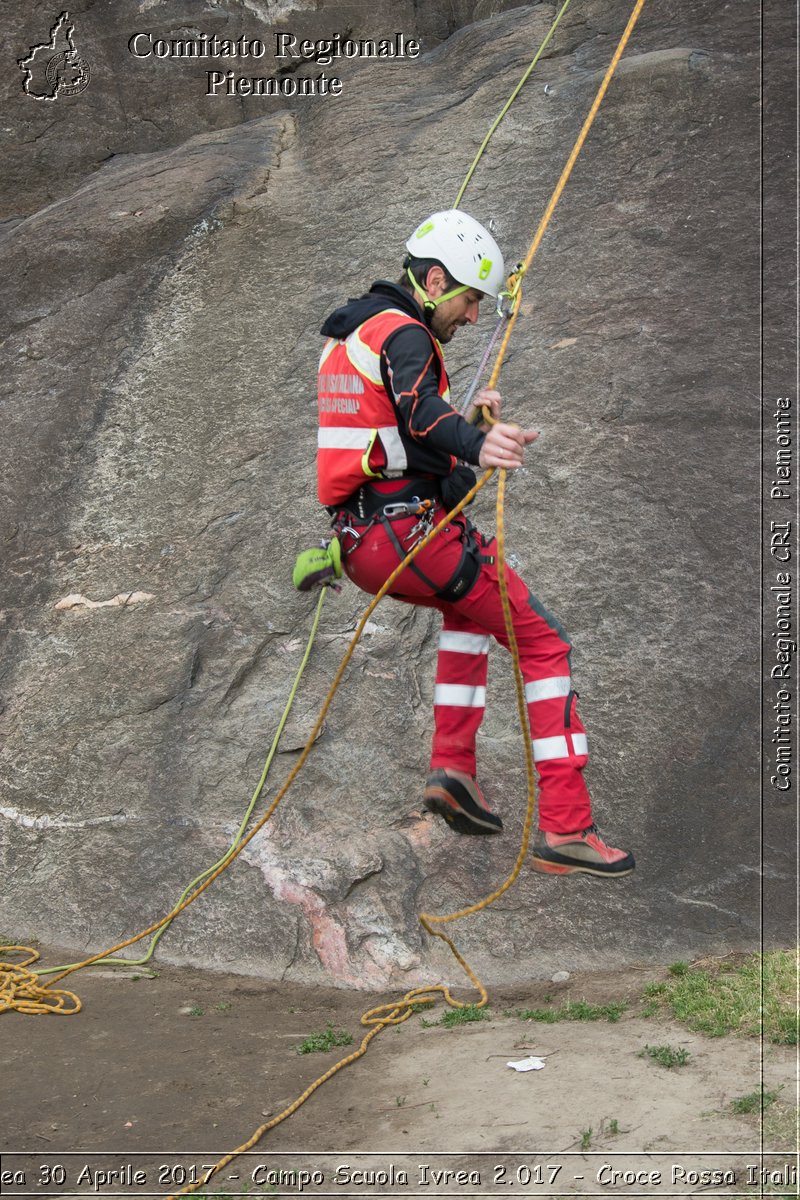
(440, 802)
(546, 867)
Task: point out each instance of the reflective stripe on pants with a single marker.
(558, 736)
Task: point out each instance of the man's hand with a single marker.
(486, 398)
(504, 446)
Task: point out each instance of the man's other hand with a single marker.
(504, 446)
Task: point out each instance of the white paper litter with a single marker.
(527, 1064)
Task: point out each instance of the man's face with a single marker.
(455, 312)
(451, 314)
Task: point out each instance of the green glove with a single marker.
(319, 567)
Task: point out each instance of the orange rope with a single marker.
(395, 1012)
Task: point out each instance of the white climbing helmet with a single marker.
(464, 247)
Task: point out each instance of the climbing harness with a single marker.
(397, 1011)
(466, 572)
(387, 508)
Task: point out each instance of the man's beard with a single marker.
(443, 330)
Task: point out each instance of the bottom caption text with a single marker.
(290, 1173)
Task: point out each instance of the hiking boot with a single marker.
(565, 853)
(457, 797)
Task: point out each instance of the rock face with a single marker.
(161, 311)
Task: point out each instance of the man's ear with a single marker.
(435, 282)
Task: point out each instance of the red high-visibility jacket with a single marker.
(359, 435)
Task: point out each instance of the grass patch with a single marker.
(459, 1016)
(573, 1010)
(717, 998)
(781, 1129)
(327, 1040)
(754, 1101)
(464, 1016)
(666, 1056)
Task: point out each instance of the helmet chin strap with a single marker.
(429, 305)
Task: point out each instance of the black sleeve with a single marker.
(409, 371)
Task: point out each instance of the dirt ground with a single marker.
(156, 1078)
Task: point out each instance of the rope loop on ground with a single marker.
(21, 991)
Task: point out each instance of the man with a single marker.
(389, 453)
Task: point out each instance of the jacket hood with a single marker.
(381, 295)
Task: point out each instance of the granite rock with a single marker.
(168, 262)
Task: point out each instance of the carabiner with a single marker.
(510, 294)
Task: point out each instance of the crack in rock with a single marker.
(121, 600)
(706, 904)
(45, 822)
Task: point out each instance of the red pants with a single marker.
(559, 738)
